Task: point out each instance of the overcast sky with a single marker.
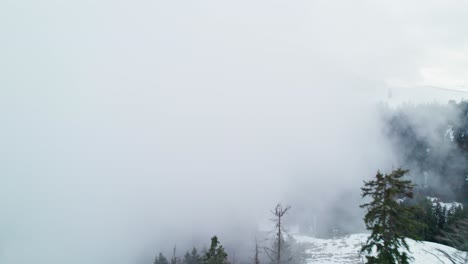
(128, 126)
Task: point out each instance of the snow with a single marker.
(401, 200)
(450, 133)
(346, 250)
(447, 206)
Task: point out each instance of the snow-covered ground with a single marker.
(346, 250)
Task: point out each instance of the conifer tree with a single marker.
(216, 254)
(430, 220)
(160, 259)
(192, 258)
(440, 213)
(196, 258)
(386, 218)
(187, 258)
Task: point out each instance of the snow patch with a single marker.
(450, 133)
(447, 206)
(346, 250)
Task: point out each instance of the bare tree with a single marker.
(256, 256)
(275, 253)
(174, 258)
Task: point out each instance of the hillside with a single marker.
(346, 250)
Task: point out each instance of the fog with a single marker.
(131, 126)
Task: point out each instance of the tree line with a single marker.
(280, 249)
(432, 142)
(392, 214)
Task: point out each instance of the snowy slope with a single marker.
(346, 250)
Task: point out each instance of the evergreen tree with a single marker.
(455, 213)
(430, 220)
(216, 254)
(186, 259)
(196, 258)
(424, 213)
(386, 218)
(440, 214)
(440, 150)
(160, 259)
(192, 258)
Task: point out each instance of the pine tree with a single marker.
(386, 218)
(196, 258)
(216, 254)
(440, 213)
(160, 259)
(424, 213)
(187, 258)
(192, 258)
(430, 220)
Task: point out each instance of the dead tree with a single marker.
(256, 257)
(275, 253)
(174, 258)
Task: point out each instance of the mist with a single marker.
(129, 127)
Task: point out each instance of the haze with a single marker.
(131, 126)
